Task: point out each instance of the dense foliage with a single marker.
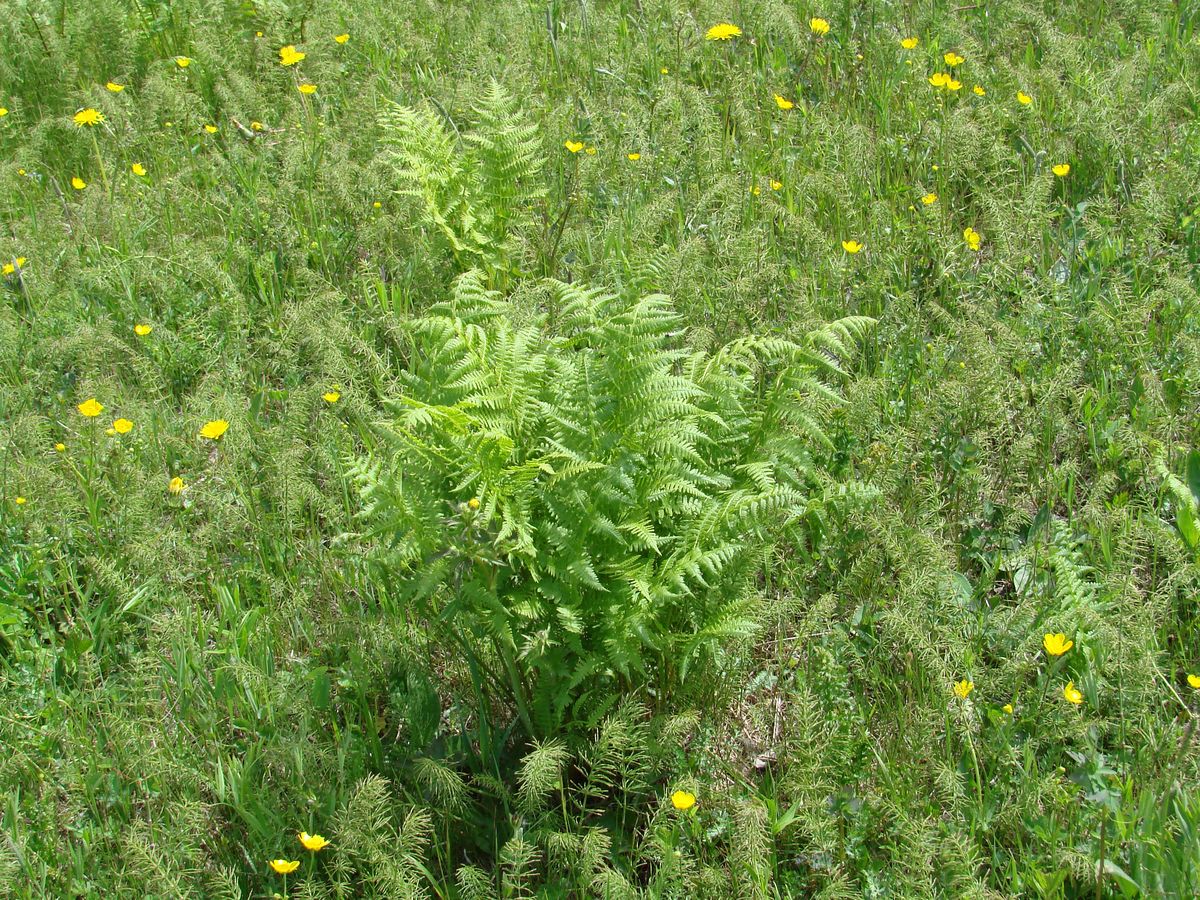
(615, 449)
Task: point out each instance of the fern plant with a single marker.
(475, 189)
(583, 504)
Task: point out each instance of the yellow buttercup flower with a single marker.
(283, 866)
(1008, 708)
(115, 87)
(852, 247)
(20, 501)
(683, 800)
(122, 426)
(90, 117)
(979, 90)
(1023, 98)
(783, 102)
(972, 237)
(3, 111)
(138, 169)
(633, 157)
(929, 198)
(590, 151)
(939, 79)
(183, 61)
(289, 55)
(341, 38)
(962, 689)
(1194, 681)
(256, 126)
(214, 429)
(307, 88)
(176, 485)
(722, 31)
(953, 85)
(141, 330)
(60, 447)
(953, 59)
(313, 842)
(377, 205)
(78, 183)
(473, 503)
(910, 43)
(819, 26)
(211, 129)
(776, 185)
(573, 146)
(663, 71)
(331, 397)
(1072, 693)
(12, 267)
(90, 408)
(1056, 644)
(1062, 170)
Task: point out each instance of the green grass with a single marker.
(320, 633)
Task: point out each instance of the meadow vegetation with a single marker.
(599, 448)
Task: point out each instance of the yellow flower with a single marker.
(573, 146)
(852, 247)
(929, 198)
(1062, 170)
(142, 330)
(819, 26)
(138, 169)
(256, 126)
(663, 71)
(341, 38)
(60, 447)
(122, 426)
(1057, 644)
(473, 503)
(283, 866)
(377, 205)
(962, 689)
(972, 237)
(1023, 98)
(307, 88)
(783, 102)
(633, 157)
(590, 151)
(211, 129)
(3, 111)
(953, 85)
(683, 800)
(331, 397)
(1072, 693)
(910, 43)
(12, 267)
(1194, 681)
(214, 429)
(20, 501)
(89, 117)
(183, 61)
(313, 842)
(776, 185)
(78, 183)
(722, 31)
(979, 91)
(939, 79)
(90, 408)
(115, 87)
(953, 59)
(289, 55)
(1008, 708)
(176, 485)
